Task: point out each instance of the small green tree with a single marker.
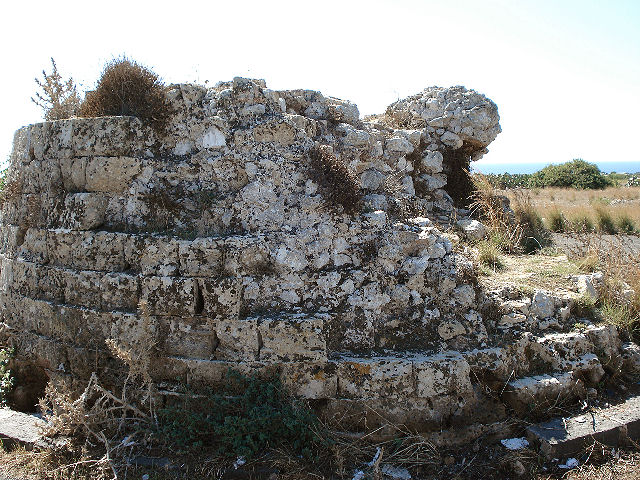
(576, 173)
(59, 98)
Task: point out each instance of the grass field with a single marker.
(617, 203)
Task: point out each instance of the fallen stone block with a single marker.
(613, 426)
(21, 428)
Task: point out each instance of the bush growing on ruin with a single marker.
(338, 184)
(59, 98)
(127, 88)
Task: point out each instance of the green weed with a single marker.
(243, 417)
(6, 379)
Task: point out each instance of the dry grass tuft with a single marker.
(339, 185)
(580, 207)
(619, 301)
(59, 98)
(490, 206)
(513, 231)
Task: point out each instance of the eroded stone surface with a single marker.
(216, 246)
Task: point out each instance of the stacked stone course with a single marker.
(209, 247)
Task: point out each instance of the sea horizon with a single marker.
(532, 167)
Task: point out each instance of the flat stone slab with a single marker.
(21, 428)
(563, 436)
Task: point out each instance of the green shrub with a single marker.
(59, 98)
(605, 222)
(243, 417)
(338, 184)
(626, 224)
(576, 174)
(505, 181)
(6, 379)
(557, 222)
(127, 88)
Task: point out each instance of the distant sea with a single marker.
(606, 167)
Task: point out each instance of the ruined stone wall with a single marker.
(210, 246)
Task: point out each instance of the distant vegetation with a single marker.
(577, 174)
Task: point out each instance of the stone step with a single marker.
(530, 394)
(612, 426)
(21, 428)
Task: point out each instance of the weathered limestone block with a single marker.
(120, 291)
(74, 173)
(442, 374)
(220, 296)
(279, 131)
(83, 288)
(293, 338)
(246, 255)
(79, 326)
(34, 246)
(111, 174)
(510, 319)
(607, 344)
(238, 339)
(160, 257)
(10, 240)
(192, 337)
(52, 284)
(495, 365)
(87, 250)
(375, 377)
(84, 211)
(168, 296)
(134, 333)
(542, 305)
(631, 357)
(587, 368)
(201, 257)
(342, 111)
(24, 278)
(472, 229)
(310, 380)
(60, 139)
(464, 296)
(432, 162)
(108, 136)
(540, 391)
(448, 329)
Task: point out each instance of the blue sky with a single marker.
(564, 74)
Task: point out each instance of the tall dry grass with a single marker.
(518, 229)
(619, 301)
(585, 208)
